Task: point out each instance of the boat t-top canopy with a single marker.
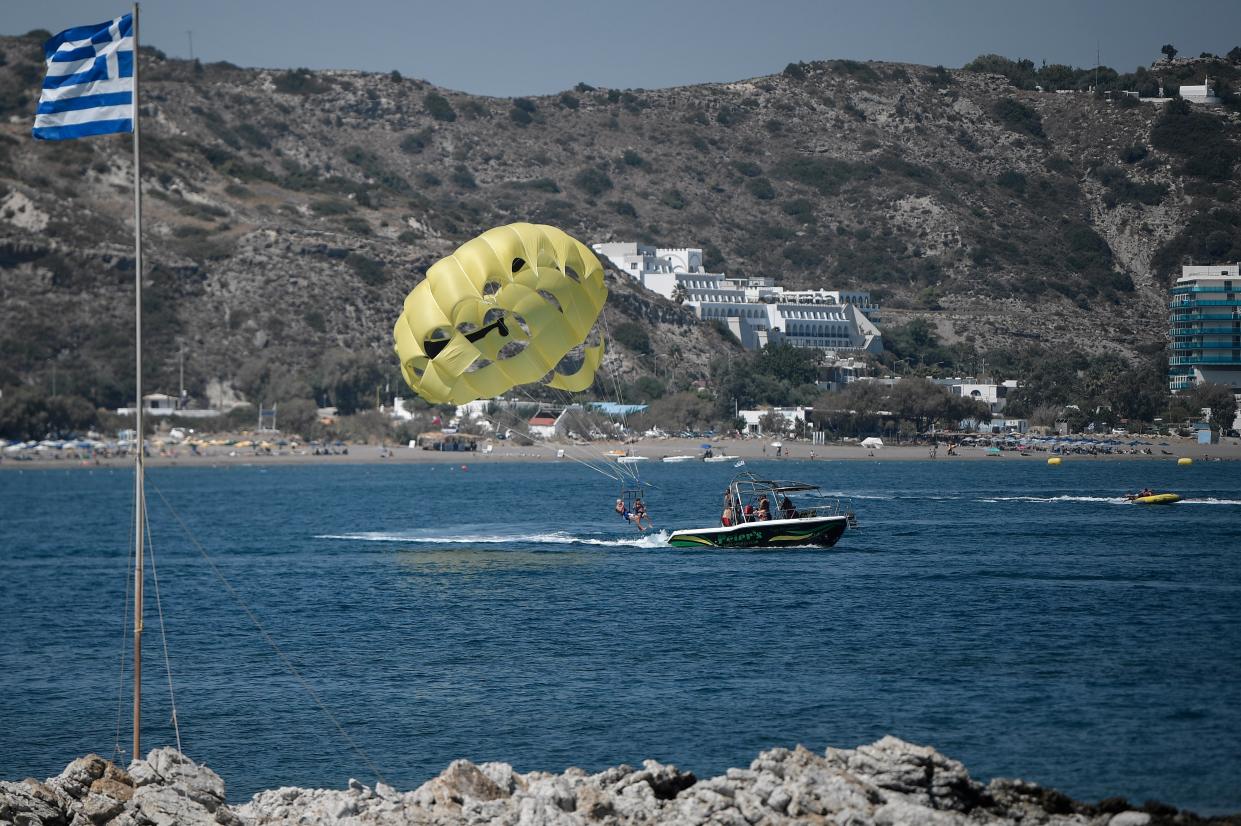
(774, 485)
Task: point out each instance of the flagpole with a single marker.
(139, 470)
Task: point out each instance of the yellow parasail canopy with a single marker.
(505, 309)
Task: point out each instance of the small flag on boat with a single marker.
(89, 86)
(740, 464)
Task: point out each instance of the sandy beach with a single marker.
(652, 449)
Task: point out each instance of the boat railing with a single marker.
(821, 508)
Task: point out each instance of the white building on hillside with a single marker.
(755, 310)
(994, 395)
(791, 415)
(1200, 94)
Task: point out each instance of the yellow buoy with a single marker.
(1054, 460)
(1184, 460)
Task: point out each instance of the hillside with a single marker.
(287, 213)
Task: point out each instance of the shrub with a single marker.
(299, 82)
(1133, 154)
(524, 104)
(438, 107)
(727, 116)
(827, 175)
(1011, 179)
(368, 269)
(1198, 137)
(632, 158)
(1018, 117)
(357, 225)
(314, 320)
(623, 208)
(464, 178)
(673, 199)
(748, 168)
(634, 336)
(521, 117)
(802, 256)
(800, 208)
(569, 101)
(415, 142)
(761, 188)
(592, 181)
(795, 71)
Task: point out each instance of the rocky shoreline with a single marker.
(887, 782)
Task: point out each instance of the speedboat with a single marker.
(810, 520)
(720, 458)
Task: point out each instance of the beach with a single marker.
(647, 450)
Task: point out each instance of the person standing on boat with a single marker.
(726, 518)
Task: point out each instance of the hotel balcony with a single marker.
(1205, 345)
(1189, 303)
(1185, 289)
(1233, 360)
(1194, 329)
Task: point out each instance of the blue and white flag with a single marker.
(89, 87)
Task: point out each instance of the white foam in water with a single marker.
(1210, 500)
(1111, 500)
(655, 540)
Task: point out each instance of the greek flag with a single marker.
(89, 87)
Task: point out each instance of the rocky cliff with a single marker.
(288, 212)
(887, 782)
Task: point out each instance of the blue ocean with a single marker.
(1021, 618)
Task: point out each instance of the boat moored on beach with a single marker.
(760, 513)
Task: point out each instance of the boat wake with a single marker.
(1111, 500)
(650, 540)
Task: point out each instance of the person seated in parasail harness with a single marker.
(629, 516)
(639, 513)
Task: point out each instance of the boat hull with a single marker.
(1158, 499)
(823, 531)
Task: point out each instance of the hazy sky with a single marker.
(543, 46)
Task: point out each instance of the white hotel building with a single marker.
(1206, 327)
(755, 310)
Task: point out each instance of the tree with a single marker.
(795, 365)
(774, 423)
(1216, 397)
(1234, 54)
(1168, 50)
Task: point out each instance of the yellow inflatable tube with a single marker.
(1157, 499)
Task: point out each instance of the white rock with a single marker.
(1129, 818)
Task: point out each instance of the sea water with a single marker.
(1022, 618)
